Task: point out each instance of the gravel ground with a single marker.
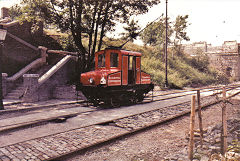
(164, 142)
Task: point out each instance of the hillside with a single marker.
(183, 71)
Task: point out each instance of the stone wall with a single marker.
(54, 88)
(15, 54)
(229, 64)
(225, 58)
(67, 92)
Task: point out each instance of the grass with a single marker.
(183, 71)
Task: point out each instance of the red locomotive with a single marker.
(117, 78)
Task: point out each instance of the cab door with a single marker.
(124, 70)
(138, 70)
(131, 70)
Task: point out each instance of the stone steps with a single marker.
(16, 93)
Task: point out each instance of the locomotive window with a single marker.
(114, 59)
(130, 66)
(132, 63)
(101, 60)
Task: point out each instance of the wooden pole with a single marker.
(192, 121)
(200, 117)
(224, 122)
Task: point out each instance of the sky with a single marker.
(213, 21)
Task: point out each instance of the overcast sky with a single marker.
(214, 21)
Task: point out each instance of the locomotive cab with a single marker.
(117, 77)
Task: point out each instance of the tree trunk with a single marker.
(103, 25)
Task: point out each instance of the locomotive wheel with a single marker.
(139, 97)
(115, 102)
(94, 102)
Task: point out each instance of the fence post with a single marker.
(192, 121)
(43, 53)
(200, 117)
(224, 122)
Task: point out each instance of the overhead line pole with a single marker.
(166, 43)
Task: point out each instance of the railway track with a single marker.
(171, 95)
(32, 117)
(60, 145)
(58, 117)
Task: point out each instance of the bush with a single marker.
(182, 71)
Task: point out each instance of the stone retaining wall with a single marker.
(226, 63)
(54, 88)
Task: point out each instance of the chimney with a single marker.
(4, 12)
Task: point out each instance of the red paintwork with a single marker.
(125, 70)
(96, 75)
(114, 79)
(115, 76)
(138, 70)
(145, 78)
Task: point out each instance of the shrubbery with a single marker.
(182, 70)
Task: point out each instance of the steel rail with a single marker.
(17, 126)
(4, 129)
(132, 132)
(40, 107)
(116, 136)
(228, 89)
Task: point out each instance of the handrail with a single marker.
(53, 70)
(62, 52)
(24, 70)
(9, 24)
(22, 41)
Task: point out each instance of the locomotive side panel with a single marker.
(138, 70)
(145, 78)
(124, 70)
(114, 79)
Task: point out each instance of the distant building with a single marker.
(192, 49)
(225, 58)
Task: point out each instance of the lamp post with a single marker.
(166, 44)
(2, 38)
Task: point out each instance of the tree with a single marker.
(83, 18)
(132, 29)
(180, 27)
(154, 34)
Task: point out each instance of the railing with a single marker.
(25, 70)
(22, 41)
(31, 65)
(53, 70)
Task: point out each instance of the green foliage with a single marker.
(155, 33)
(199, 60)
(87, 20)
(235, 146)
(180, 27)
(181, 71)
(132, 29)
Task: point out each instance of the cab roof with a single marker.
(124, 52)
